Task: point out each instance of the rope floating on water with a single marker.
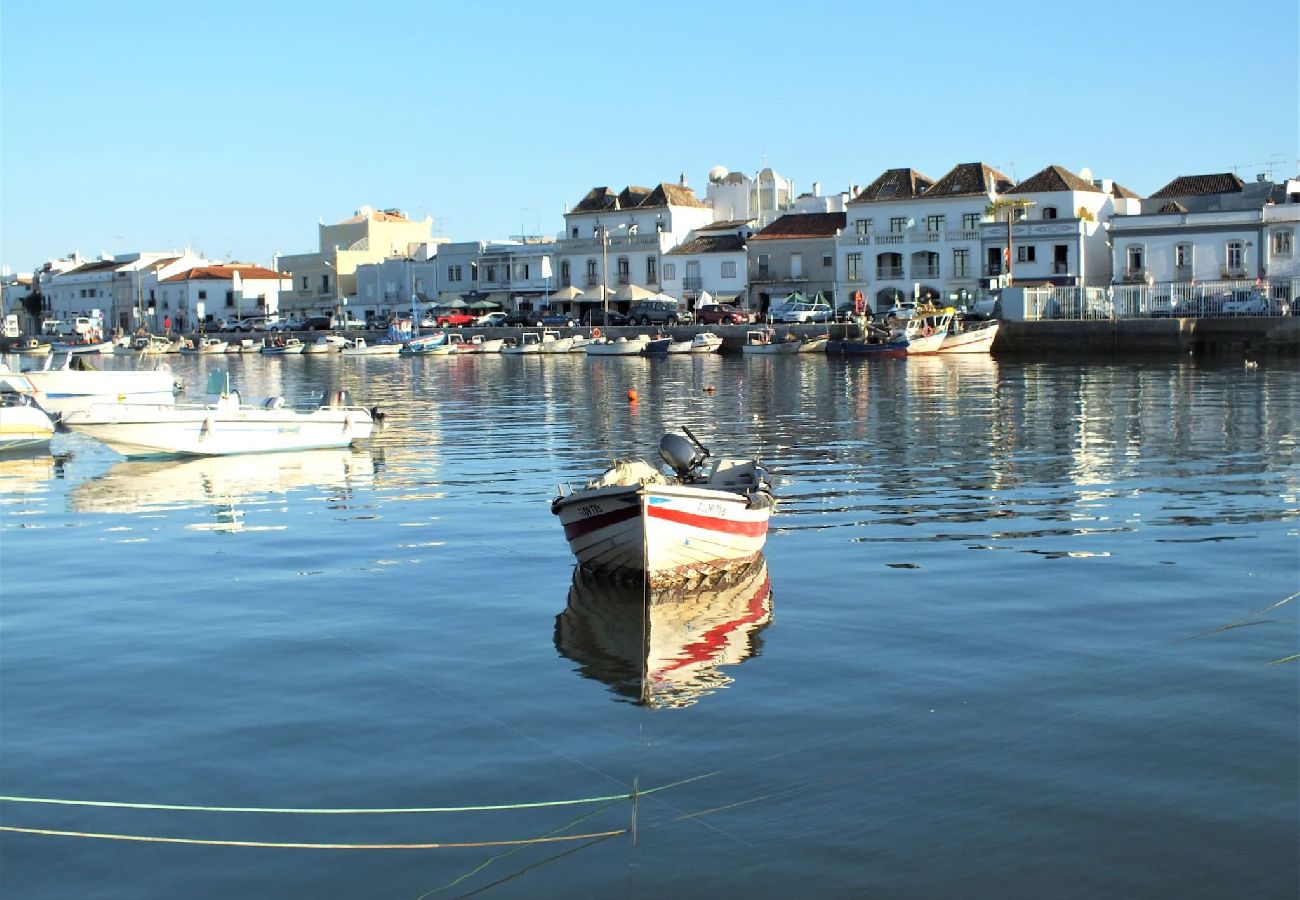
(316, 811)
(286, 845)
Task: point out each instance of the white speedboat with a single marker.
(553, 343)
(634, 522)
(326, 343)
(83, 347)
(704, 342)
(667, 649)
(623, 346)
(529, 342)
(430, 344)
(76, 384)
(221, 428)
(923, 333)
(965, 337)
(766, 341)
(359, 347)
(23, 424)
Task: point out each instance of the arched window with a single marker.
(1049, 212)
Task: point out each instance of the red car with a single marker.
(455, 319)
(721, 314)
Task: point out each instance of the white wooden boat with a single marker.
(529, 342)
(82, 347)
(30, 347)
(622, 346)
(326, 343)
(581, 342)
(242, 345)
(964, 337)
(668, 648)
(359, 347)
(76, 384)
(434, 344)
(814, 343)
(704, 342)
(289, 346)
(633, 522)
(221, 428)
(766, 341)
(919, 335)
(204, 345)
(23, 424)
(553, 343)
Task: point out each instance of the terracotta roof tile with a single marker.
(601, 199)
(729, 225)
(225, 273)
(1173, 206)
(1051, 179)
(895, 184)
(1118, 190)
(727, 243)
(374, 216)
(802, 225)
(1199, 185)
(967, 179)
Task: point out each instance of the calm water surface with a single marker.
(1021, 641)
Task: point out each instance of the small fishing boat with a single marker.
(968, 337)
(30, 347)
(326, 343)
(204, 345)
(24, 425)
(580, 342)
(223, 427)
(634, 522)
(704, 342)
(289, 346)
(242, 345)
(665, 649)
(622, 346)
(552, 342)
(80, 347)
(765, 341)
(921, 334)
(359, 347)
(435, 343)
(815, 343)
(529, 342)
(659, 346)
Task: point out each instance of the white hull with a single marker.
(134, 429)
(771, 349)
(666, 533)
(814, 345)
(621, 347)
(361, 348)
(979, 340)
(67, 390)
(101, 347)
(23, 426)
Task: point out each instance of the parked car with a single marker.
(317, 323)
(519, 317)
(659, 312)
(491, 319)
(1244, 303)
(555, 320)
(802, 311)
(249, 323)
(454, 318)
(903, 309)
(603, 317)
(293, 323)
(721, 314)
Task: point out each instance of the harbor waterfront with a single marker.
(1022, 628)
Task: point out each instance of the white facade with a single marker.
(713, 260)
(206, 294)
(385, 289)
(1241, 234)
(762, 199)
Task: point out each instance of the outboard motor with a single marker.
(683, 456)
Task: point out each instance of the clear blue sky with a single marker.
(234, 127)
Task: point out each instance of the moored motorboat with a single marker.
(204, 345)
(633, 522)
(30, 347)
(968, 337)
(664, 649)
(23, 424)
(76, 384)
(919, 335)
(529, 342)
(622, 346)
(80, 347)
(326, 343)
(435, 344)
(704, 342)
(289, 346)
(552, 342)
(222, 427)
(765, 341)
(815, 343)
(659, 346)
(359, 347)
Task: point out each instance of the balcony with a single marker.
(621, 278)
(1134, 276)
(925, 237)
(593, 280)
(1233, 272)
(889, 273)
(692, 283)
(965, 235)
(890, 238)
(925, 272)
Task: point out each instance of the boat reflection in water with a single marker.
(668, 652)
(225, 483)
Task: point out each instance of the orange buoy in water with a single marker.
(632, 395)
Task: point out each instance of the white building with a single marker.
(615, 240)
(385, 289)
(713, 260)
(1051, 228)
(909, 236)
(205, 294)
(517, 274)
(1210, 227)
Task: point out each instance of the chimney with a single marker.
(817, 188)
(682, 180)
(1261, 178)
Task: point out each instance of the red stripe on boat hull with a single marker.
(708, 523)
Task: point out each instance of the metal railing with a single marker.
(1173, 299)
(692, 283)
(889, 273)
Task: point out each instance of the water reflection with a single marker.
(224, 483)
(668, 653)
(25, 472)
